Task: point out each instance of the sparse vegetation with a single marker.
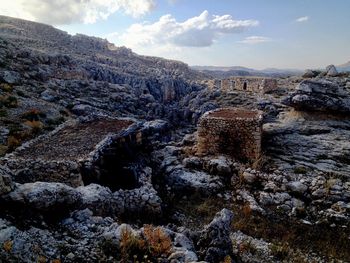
(6, 87)
(153, 244)
(36, 126)
(33, 115)
(8, 245)
(8, 101)
(3, 113)
(13, 142)
(300, 170)
(3, 150)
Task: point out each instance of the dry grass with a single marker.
(154, 243)
(8, 245)
(157, 240)
(291, 236)
(3, 150)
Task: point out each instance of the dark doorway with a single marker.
(245, 85)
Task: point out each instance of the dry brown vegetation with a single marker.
(153, 244)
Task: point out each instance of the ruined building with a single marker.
(252, 84)
(96, 151)
(232, 131)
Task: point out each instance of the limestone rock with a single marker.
(214, 241)
(11, 77)
(320, 95)
(297, 187)
(6, 184)
(97, 198)
(331, 71)
(46, 196)
(310, 73)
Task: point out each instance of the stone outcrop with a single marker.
(319, 95)
(6, 184)
(308, 74)
(331, 71)
(215, 237)
(232, 131)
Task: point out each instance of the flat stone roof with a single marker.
(233, 113)
(72, 142)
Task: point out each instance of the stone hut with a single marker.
(233, 131)
(250, 84)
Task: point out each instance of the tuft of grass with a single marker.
(33, 115)
(13, 142)
(280, 251)
(3, 150)
(154, 243)
(36, 126)
(8, 245)
(158, 242)
(6, 87)
(8, 101)
(300, 170)
(3, 113)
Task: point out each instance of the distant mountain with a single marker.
(224, 72)
(344, 67)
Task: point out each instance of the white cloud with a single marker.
(302, 19)
(60, 12)
(199, 31)
(255, 40)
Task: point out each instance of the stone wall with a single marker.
(251, 84)
(232, 131)
(27, 168)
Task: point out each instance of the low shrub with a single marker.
(3, 113)
(13, 142)
(33, 115)
(36, 126)
(3, 150)
(153, 244)
(8, 101)
(6, 87)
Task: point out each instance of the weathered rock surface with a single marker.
(331, 71)
(45, 196)
(6, 184)
(215, 238)
(320, 95)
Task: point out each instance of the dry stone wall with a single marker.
(251, 84)
(232, 131)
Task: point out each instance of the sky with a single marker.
(258, 34)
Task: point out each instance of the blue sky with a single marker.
(252, 33)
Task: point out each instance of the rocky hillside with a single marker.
(94, 187)
(46, 75)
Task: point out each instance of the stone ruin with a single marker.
(251, 84)
(99, 151)
(232, 131)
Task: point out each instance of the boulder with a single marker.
(98, 199)
(297, 187)
(215, 242)
(319, 95)
(10, 77)
(46, 196)
(6, 184)
(310, 74)
(331, 71)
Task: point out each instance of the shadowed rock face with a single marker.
(319, 95)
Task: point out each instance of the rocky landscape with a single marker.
(102, 161)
